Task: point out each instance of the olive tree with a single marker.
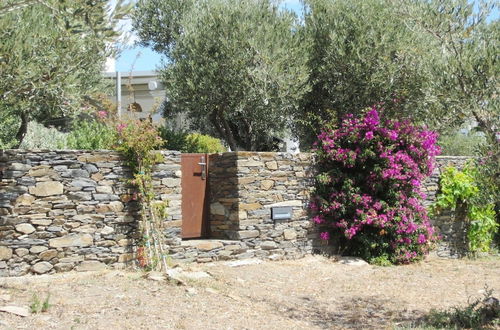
(51, 57)
(466, 69)
(236, 67)
(363, 53)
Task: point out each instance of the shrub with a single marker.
(199, 143)
(478, 314)
(460, 189)
(41, 137)
(190, 142)
(91, 134)
(174, 139)
(368, 191)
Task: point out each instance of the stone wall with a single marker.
(63, 210)
(453, 233)
(245, 186)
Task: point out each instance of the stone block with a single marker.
(242, 234)
(71, 259)
(21, 252)
(126, 257)
(25, 200)
(249, 163)
(273, 165)
(217, 209)
(249, 207)
(268, 245)
(5, 253)
(41, 222)
(289, 234)
(293, 203)
(266, 184)
(19, 167)
(63, 267)
(47, 188)
(104, 189)
(42, 267)
(48, 255)
(25, 228)
(38, 248)
(71, 240)
(91, 265)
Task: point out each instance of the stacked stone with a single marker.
(263, 181)
(450, 230)
(63, 210)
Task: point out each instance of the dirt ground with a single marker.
(310, 293)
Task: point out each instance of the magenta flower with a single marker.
(121, 127)
(375, 188)
(102, 114)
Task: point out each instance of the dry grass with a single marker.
(311, 293)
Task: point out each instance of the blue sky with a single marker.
(135, 58)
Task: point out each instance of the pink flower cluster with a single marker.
(375, 170)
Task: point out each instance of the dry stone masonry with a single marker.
(63, 210)
(73, 210)
(452, 232)
(245, 186)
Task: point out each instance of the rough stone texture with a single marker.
(61, 210)
(64, 210)
(244, 186)
(452, 232)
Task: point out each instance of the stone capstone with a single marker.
(47, 188)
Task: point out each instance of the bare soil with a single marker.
(310, 293)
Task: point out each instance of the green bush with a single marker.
(174, 139)
(41, 137)
(190, 142)
(199, 143)
(91, 135)
(460, 189)
(479, 314)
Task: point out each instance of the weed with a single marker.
(476, 315)
(38, 306)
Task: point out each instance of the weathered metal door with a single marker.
(194, 194)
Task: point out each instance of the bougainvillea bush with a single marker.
(368, 191)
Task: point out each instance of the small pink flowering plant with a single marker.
(368, 192)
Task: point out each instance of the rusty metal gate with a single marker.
(194, 195)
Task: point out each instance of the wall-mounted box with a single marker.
(281, 213)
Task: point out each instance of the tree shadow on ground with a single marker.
(355, 313)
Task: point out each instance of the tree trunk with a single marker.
(23, 129)
(223, 129)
